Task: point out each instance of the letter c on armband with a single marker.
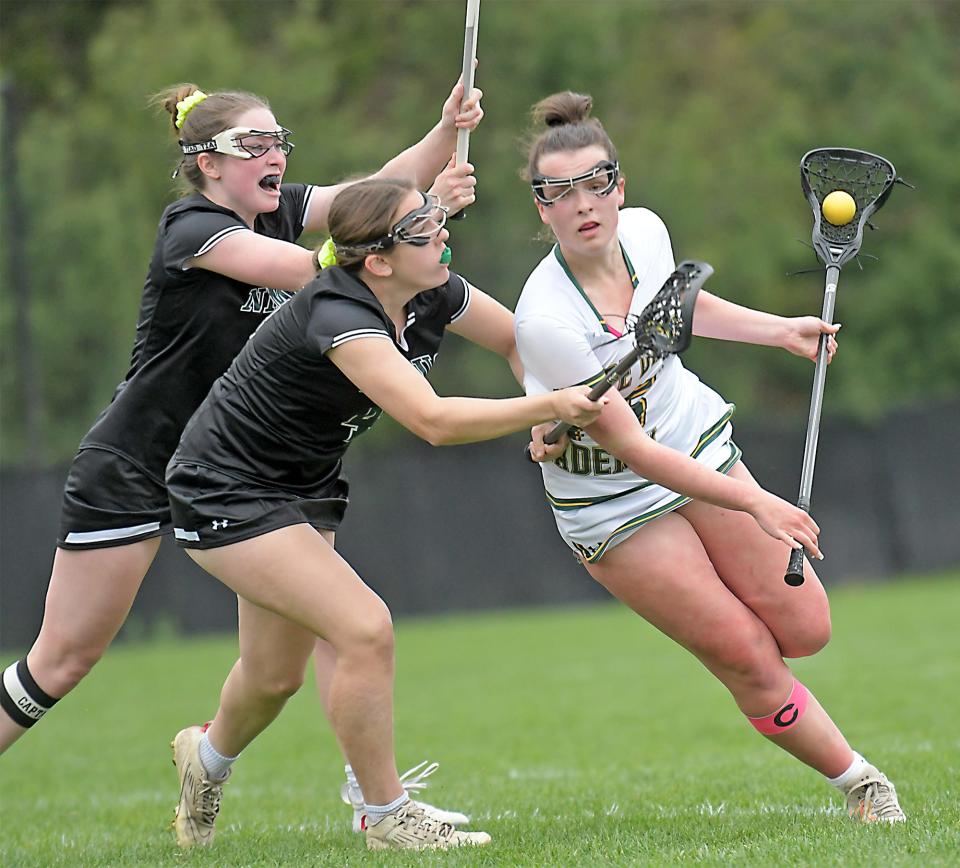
(785, 717)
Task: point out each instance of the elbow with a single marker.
(440, 439)
(433, 425)
(440, 433)
(438, 436)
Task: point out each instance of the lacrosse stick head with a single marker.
(867, 178)
(665, 325)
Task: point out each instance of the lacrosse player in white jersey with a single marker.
(653, 497)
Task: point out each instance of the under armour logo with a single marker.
(220, 525)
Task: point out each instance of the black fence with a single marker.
(467, 528)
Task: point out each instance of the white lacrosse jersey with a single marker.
(564, 341)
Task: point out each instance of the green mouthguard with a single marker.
(446, 256)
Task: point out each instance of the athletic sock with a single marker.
(375, 813)
(855, 770)
(215, 764)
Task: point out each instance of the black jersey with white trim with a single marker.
(192, 323)
(284, 414)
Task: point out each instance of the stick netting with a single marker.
(866, 177)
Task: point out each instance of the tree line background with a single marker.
(711, 105)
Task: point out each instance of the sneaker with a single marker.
(199, 805)
(871, 798)
(410, 827)
(413, 781)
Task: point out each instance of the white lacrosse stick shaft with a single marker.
(469, 56)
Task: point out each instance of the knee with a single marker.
(748, 657)
(59, 663)
(808, 638)
(277, 684)
(371, 635)
(283, 685)
(809, 629)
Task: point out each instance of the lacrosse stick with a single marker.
(844, 187)
(469, 60)
(664, 327)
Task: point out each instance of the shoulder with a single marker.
(545, 312)
(449, 301)
(341, 308)
(336, 285)
(197, 210)
(192, 226)
(541, 290)
(549, 295)
(645, 239)
(641, 225)
(197, 218)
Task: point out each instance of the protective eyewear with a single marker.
(598, 181)
(243, 142)
(418, 228)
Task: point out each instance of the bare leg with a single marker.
(664, 573)
(88, 600)
(324, 662)
(273, 658)
(750, 564)
(324, 665)
(295, 573)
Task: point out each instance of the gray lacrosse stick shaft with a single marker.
(469, 56)
(794, 574)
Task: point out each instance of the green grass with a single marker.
(575, 736)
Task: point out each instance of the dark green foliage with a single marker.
(711, 105)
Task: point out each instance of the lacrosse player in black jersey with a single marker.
(225, 258)
(257, 492)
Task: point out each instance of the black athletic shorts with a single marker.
(109, 501)
(211, 508)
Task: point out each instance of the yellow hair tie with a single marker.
(327, 254)
(187, 105)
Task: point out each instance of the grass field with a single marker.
(575, 736)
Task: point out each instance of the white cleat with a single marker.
(199, 804)
(413, 781)
(871, 798)
(410, 827)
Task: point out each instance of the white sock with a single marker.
(215, 765)
(375, 813)
(854, 771)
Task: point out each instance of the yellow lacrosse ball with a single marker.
(839, 207)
